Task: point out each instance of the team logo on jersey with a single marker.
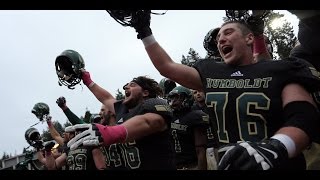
(120, 120)
(237, 73)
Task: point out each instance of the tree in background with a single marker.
(87, 116)
(191, 58)
(119, 95)
(282, 37)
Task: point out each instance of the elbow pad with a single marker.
(305, 116)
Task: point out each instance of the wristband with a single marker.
(91, 84)
(149, 40)
(259, 45)
(287, 142)
(113, 134)
(49, 123)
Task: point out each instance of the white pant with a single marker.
(211, 159)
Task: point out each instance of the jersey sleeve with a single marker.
(197, 118)
(74, 119)
(302, 72)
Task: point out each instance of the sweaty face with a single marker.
(134, 94)
(234, 47)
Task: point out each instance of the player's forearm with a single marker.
(144, 125)
(54, 134)
(298, 136)
(74, 119)
(101, 94)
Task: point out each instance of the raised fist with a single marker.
(141, 23)
(61, 101)
(256, 24)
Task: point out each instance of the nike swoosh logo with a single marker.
(272, 152)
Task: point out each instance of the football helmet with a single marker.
(41, 110)
(183, 94)
(33, 137)
(68, 68)
(209, 42)
(95, 118)
(166, 85)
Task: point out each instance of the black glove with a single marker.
(256, 24)
(49, 146)
(61, 101)
(265, 155)
(38, 144)
(141, 23)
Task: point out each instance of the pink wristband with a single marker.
(87, 79)
(112, 134)
(259, 45)
(49, 123)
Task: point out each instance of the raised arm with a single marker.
(182, 74)
(54, 133)
(101, 94)
(74, 119)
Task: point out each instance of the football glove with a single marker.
(268, 154)
(61, 101)
(97, 134)
(141, 23)
(90, 137)
(256, 24)
(86, 78)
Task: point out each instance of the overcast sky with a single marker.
(31, 40)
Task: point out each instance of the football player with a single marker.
(188, 130)
(264, 113)
(142, 130)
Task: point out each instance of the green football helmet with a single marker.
(166, 85)
(209, 42)
(33, 137)
(68, 68)
(41, 110)
(180, 93)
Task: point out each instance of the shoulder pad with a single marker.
(197, 117)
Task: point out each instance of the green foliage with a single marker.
(282, 38)
(66, 124)
(119, 95)
(191, 58)
(87, 116)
